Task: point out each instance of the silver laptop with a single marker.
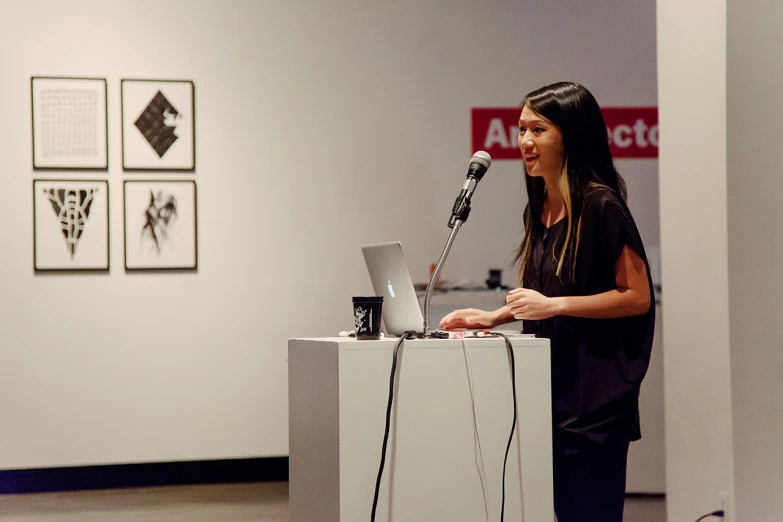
(391, 278)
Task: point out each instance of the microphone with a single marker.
(479, 164)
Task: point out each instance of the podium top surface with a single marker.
(347, 343)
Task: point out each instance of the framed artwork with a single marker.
(69, 123)
(161, 231)
(70, 225)
(158, 125)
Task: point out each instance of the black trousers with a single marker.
(589, 485)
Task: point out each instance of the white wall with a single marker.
(755, 74)
(320, 126)
(720, 114)
(692, 116)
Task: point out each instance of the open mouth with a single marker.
(530, 157)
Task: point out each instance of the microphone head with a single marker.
(479, 164)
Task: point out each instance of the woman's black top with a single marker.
(597, 364)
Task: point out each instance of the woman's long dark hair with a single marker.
(587, 163)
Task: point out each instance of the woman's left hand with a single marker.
(531, 305)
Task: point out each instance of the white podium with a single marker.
(338, 394)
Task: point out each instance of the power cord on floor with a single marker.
(718, 513)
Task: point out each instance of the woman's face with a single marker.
(541, 144)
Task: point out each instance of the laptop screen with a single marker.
(391, 279)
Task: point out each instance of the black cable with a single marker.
(406, 335)
(718, 513)
(514, 423)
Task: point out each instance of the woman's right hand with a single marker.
(470, 318)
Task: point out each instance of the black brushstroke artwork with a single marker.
(158, 122)
(161, 211)
(72, 208)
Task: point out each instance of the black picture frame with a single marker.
(149, 144)
(71, 97)
(152, 251)
(49, 252)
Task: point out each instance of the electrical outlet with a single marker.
(724, 505)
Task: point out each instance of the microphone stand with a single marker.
(458, 218)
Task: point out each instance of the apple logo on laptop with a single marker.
(391, 290)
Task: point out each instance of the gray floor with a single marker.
(266, 502)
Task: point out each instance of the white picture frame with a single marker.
(70, 225)
(161, 225)
(158, 125)
(69, 123)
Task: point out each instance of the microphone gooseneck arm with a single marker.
(431, 285)
(479, 164)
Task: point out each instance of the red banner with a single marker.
(633, 131)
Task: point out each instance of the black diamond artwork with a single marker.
(157, 123)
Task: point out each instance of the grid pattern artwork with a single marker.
(70, 126)
(68, 119)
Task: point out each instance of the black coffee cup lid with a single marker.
(368, 299)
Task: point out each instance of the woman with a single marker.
(585, 285)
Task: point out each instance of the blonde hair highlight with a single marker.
(565, 191)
